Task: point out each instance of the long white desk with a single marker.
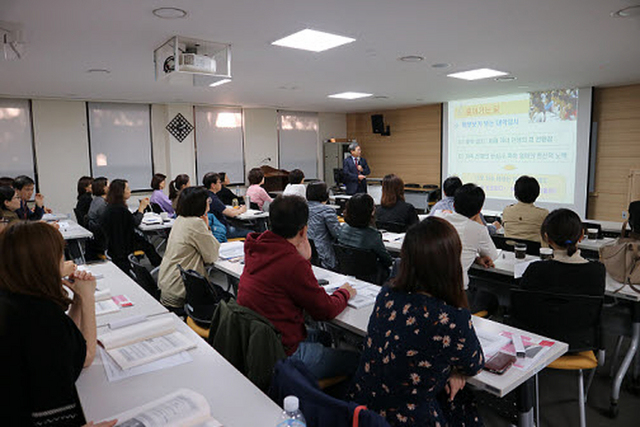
(357, 320)
(71, 230)
(120, 284)
(166, 225)
(233, 399)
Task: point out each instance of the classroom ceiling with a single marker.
(544, 43)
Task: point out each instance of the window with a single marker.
(16, 141)
(120, 142)
(298, 142)
(219, 142)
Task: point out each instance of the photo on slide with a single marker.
(553, 105)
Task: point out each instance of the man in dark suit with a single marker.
(355, 170)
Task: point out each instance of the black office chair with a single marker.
(202, 297)
(507, 244)
(573, 319)
(412, 185)
(430, 186)
(363, 264)
(148, 280)
(315, 257)
(394, 227)
(155, 208)
(81, 219)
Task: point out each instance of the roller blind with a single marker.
(16, 141)
(298, 142)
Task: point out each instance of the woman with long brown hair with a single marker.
(394, 214)
(420, 343)
(43, 350)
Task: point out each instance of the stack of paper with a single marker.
(491, 343)
(392, 237)
(106, 306)
(230, 250)
(144, 342)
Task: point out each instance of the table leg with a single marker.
(525, 398)
(79, 250)
(628, 358)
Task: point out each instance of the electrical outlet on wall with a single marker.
(624, 215)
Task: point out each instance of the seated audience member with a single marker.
(255, 193)
(181, 181)
(213, 184)
(295, 187)
(522, 220)
(567, 272)
(43, 349)
(393, 209)
(359, 233)
(278, 283)
(634, 217)
(421, 345)
(191, 245)
(99, 189)
(24, 186)
(225, 195)
(84, 199)
(477, 246)
(449, 188)
(9, 203)
(6, 181)
(323, 223)
(158, 197)
(121, 227)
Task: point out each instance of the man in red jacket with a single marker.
(278, 283)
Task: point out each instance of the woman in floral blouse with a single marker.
(420, 344)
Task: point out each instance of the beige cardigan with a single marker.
(191, 245)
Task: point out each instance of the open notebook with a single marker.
(144, 342)
(183, 408)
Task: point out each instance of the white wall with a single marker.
(62, 150)
(62, 147)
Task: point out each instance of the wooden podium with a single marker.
(274, 179)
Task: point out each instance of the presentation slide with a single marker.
(493, 141)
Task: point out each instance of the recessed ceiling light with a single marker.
(627, 12)
(219, 82)
(480, 73)
(505, 78)
(312, 40)
(411, 58)
(350, 95)
(441, 65)
(98, 71)
(169, 13)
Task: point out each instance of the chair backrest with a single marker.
(574, 319)
(201, 296)
(143, 277)
(430, 186)
(315, 257)
(155, 208)
(81, 219)
(507, 244)
(337, 176)
(291, 377)
(587, 225)
(254, 206)
(434, 196)
(394, 227)
(412, 185)
(363, 264)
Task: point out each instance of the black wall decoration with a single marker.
(179, 127)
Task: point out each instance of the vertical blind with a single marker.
(120, 142)
(15, 138)
(298, 142)
(219, 142)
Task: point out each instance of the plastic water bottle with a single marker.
(291, 416)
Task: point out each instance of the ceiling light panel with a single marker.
(314, 41)
(350, 95)
(480, 73)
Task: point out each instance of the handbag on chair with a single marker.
(622, 258)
